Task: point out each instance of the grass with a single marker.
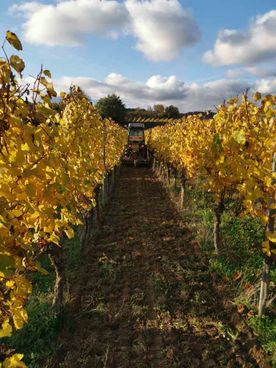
(38, 339)
(266, 329)
(240, 260)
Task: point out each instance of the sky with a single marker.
(193, 54)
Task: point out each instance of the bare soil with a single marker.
(146, 297)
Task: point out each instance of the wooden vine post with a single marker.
(154, 164)
(183, 181)
(268, 260)
(182, 191)
(218, 211)
(103, 188)
(56, 258)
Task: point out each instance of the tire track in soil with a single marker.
(147, 298)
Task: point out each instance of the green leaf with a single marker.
(217, 141)
(47, 73)
(49, 86)
(257, 96)
(13, 40)
(7, 264)
(41, 269)
(17, 63)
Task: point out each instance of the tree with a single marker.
(159, 109)
(112, 107)
(172, 112)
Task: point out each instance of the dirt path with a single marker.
(147, 298)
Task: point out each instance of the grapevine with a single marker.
(50, 165)
(231, 154)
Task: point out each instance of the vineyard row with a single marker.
(51, 164)
(231, 157)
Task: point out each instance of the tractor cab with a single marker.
(136, 151)
(136, 134)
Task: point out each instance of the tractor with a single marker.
(136, 151)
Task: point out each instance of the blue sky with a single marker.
(192, 53)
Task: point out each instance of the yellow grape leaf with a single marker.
(19, 316)
(49, 227)
(54, 239)
(17, 63)
(5, 191)
(24, 287)
(264, 218)
(69, 232)
(13, 40)
(35, 215)
(31, 190)
(6, 329)
(4, 231)
(10, 284)
(49, 86)
(16, 213)
(239, 137)
(267, 181)
(14, 361)
(266, 248)
(18, 158)
(25, 147)
(271, 236)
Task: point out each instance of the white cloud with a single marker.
(263, 71)
(208, 95)
(161, 27)
(67, 22)
(170, 84)
(167, 90)
(26, 9)
(234, 73)
(266, 86)
(257, 44)
(156, 88)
